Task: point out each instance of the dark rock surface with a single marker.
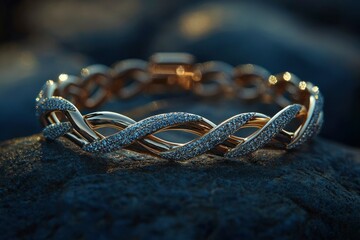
(53, 190)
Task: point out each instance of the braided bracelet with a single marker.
(58, 104)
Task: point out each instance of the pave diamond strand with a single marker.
(56, 130)
(54, 103)
(314, 123)
(139, 130)
(62, 118)
(208, 141)
(270, 130)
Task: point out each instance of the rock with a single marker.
(54, 190)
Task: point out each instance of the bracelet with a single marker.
(58, 104)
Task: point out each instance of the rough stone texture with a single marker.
(54, 190)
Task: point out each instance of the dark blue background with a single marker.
(316, 40)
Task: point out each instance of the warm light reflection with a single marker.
(197, 24)
(302, 85)
(197, 76)
(27, 59)
(249, 67)
(315, 89)
(85, 72)
(16, 63)
(287, 76)
(272, 80)
(63, 77)
(180, 71)
(83, 17)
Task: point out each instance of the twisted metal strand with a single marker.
(62, 118)
(55, 130)
(139, 130)
(266, 133)
(208, 141)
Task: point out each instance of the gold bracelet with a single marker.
(58, 104)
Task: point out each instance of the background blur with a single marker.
(317, 40)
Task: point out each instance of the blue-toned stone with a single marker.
(53, 190)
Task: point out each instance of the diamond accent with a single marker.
(56, 130)
(208, 141)
(137, 136)
(314, 126)
(265, 134)
(54, 104)
(139, 130)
